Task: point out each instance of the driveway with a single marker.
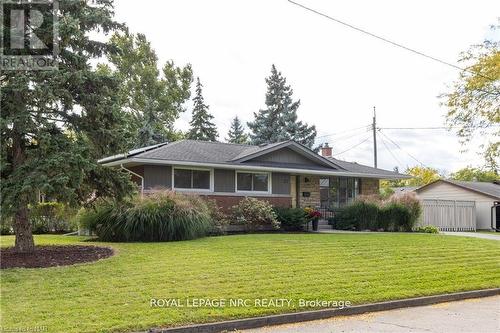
(495, 236)
(469, 316)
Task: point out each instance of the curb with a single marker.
(288, 318)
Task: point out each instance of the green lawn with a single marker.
(114, 294)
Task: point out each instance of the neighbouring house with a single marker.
(451, 200)
(286, 174)
(402, 190)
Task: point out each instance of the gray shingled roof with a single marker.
(197, 151)
(355, 167)
(489, 188)
(227, 153)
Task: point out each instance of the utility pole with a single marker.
(374, 129)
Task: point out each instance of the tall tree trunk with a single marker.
(22, 227)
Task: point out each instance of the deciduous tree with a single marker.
(152, 100)
(475, 174)
(474, 100)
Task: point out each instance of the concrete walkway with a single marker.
(469, 316)
(495, 236)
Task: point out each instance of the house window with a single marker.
(192, 179)
(252, 182)
(338, 191)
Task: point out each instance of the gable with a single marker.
(445, 191)
(287, 156)
(284, 155)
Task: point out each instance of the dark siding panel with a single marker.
(139, 169)
(281, 183)
(157, 176)
(285, 155)
(224, 180)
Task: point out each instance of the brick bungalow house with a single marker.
(286, 174)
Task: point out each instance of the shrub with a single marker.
(411, 202)
(359, 215)
(252, 213)
(429, 229)
(164, 216)
(371, 199)
(342, 220)
(291, 219)
(385, 220)
(52, 216)
(6, 226)
(219, 219)
(399, 217)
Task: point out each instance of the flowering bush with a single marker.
(252, 213)
(312, 213)
(220, 220)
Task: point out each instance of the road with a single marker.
(470, 316)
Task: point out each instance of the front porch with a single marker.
(326, 193)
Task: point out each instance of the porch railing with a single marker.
(326, 213)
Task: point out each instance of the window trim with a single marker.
(269, 182)
(181, 189)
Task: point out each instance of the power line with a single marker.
(407, 153)
(390, 152)
(352, 147)
(344, 138)
(415, 128)
(341, 132)
(389, 41)
(429, 128)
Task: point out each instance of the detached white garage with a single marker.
(484, 196)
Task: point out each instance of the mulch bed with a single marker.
(49, 256)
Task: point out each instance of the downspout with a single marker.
(137, 175)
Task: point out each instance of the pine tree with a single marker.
(278, 121)
(236, 132)
(56, 124)
(202, 127)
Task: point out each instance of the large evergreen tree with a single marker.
(153, 100)
(202, 127)
(56, 124)
(278, 121)
(236, 133)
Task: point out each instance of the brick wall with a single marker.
(225, 202)
(369, 186)
(309, 184)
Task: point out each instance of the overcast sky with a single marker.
(337, 73)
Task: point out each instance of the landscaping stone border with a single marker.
(288, 318)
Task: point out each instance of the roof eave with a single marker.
(457, 185)
(285, 144)
(249, 167)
